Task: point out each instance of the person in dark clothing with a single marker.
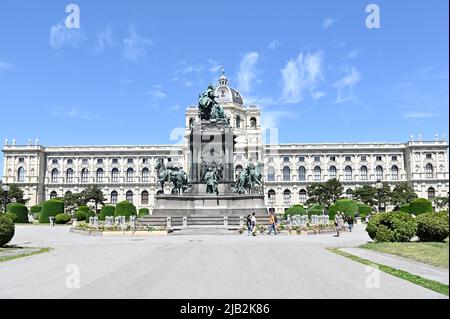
(350, 222)
(249, 225)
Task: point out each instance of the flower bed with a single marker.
(114, 231)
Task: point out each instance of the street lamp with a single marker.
(5, 188)
(379, 186)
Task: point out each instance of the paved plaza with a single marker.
(194, 266)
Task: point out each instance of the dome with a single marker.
(225, 94)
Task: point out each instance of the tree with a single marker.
(384, 196)
(73, 201)
(366, 194)
(440, 202)
(402, 194)
(325, 193)
(94, 193)
(15, 194)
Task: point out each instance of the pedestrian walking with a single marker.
(337, 223)
(350, 222)
(272, 223)
(249, 225)
(253, 222)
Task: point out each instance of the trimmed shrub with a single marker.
(51, 207)
(315, 209)
(420, 206)
(6, 230)
(295, 210)
(404, 208)
(125, 209)
(12, 216)
(35, 209)
(62, 218)
(347, 206)
(432, 226)
(83, 208)
(392, 227)
(21, 211)
(364, 210)
(144, 212)
(107, 211)
(332, 211)
(80, 215)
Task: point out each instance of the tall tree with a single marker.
(73, 200)
(94, 193)
(15, 194)
(366, 194)
(402, 194)
(325, 194)
(441, 202)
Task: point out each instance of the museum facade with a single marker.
(127, 172)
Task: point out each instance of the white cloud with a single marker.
(272, 119)
(73, 112)
(327, 23)
(418, 115)
(135, 46)
(353, 55)
(103, 40)
(183, 70)
(156, 95)
(274, 44)
(301, 74)
(61, 36)
(214, 66)
(345, 86)
(5, 66)
(247, 73)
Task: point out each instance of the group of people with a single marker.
(340, 219)
(251, 224)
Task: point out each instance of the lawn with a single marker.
(435, 254)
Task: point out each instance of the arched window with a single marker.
(100, 174)
(349, 193)
(253, 122)
(271, 174)
(145, 175)
(394, 172)
(114, 197)
(68, 193)
(115, 175)
(53, 195)
(317, 173)
(379, 172)
(303, 196)
(348, 173)
(238, 121)
(332, 172)
(21, 175)
(84, 175)
(144, 198)
(431, 193)
(129, 196)
(286, 173)
(69, 175)
(55, 175)
(429, 171)
(271, 195)
(302, 173)
(363, 172)
(287, 197)
(130, 175)
(160, 192)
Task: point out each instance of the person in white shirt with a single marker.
(254, 224)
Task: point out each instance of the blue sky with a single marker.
(127, 75)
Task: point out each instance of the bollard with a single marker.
(225, 221)
(169, 222)
(185, 225)
(241, 221)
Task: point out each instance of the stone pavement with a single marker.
(191, 266)
(397, 262)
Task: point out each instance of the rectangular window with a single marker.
(428, 156)
(333, 158)
(99, 161)
(84, 161)
(21, 160)
(286, 159)
(54, 161)
(69, 161)
(378, 158)
(301, 158)
(316, 158)
(130, 161)
(363, 158)
(394, 158)
(115, 161)
(144, 160)
(348, 158)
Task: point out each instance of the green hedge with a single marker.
(315, 209)
(62, 218)
(35, 209)
(295, 210)
(404, 208)
(12, 216)
(6, 230)
(347, 206)
(21, 212)
(432, 226)
(107, 211)
(83, 208)
(144, 212)
(420, 206)
(126, 209)
(51, 207)
(80, 215)
(332, 211)
(364, 210)
(392, 227)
